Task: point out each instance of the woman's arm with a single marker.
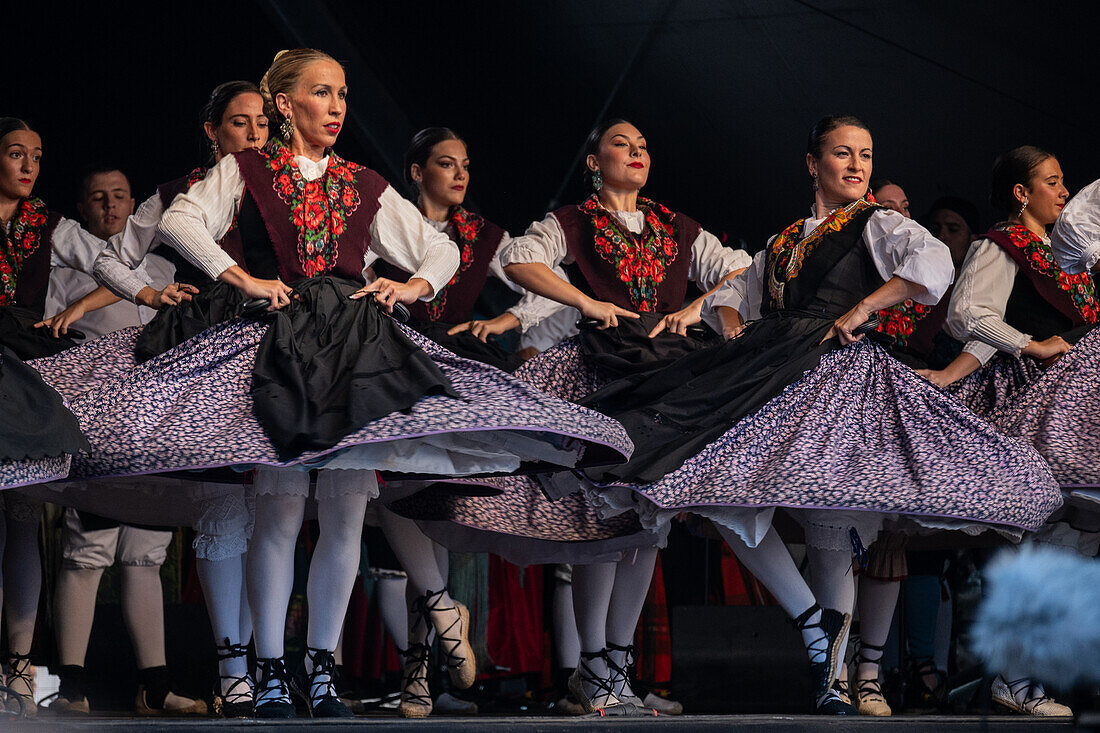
(59, 324)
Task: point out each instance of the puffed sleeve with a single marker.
(531, 309)
(744, 293)
(74, 246)
(980, 299)
(904, 248)
(710, 261)
(119, 263)
(197, 219)
(1076, 236)
(402, 237)
(544, 241)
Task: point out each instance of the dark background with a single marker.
(724, 91)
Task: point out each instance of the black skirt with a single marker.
(216, 302)
(329, 365)
(628, 350)
(672, 413)
(17, 333)
(35, 423)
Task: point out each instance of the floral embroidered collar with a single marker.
(788, 251)
(467, 228)
(639, 260)
(26, 236)
(319, 209)
(1038, 254)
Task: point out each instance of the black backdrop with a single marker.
(725, 91)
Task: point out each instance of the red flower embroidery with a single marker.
(26, 236)
(1080, 288)
(319, 209)
(639, 261)
(467, 227)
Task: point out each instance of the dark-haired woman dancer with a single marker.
(781, 416)
(332, 383)
(37, 433)
(630, 262)
(437, 167)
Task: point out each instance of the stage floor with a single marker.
(481, 724)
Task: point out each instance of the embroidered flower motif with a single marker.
(639, 261)
(1080, 288)
(788, 251)
(901, 320)
(319, 209)
(467, 227)
(26, 237)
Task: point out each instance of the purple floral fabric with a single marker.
(190, 408)
(82, 368)
(33, 471)
(1057, 414)
(995, 384)
(863, 431)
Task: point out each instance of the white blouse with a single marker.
(531, 309)
(544, 241)
(201, 216)
(897, 245)
(73, 252)
(125, 266)
(1076, 236)
(980, 300)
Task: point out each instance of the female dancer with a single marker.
(335, 384)
(437, 167)
(781, 416)
(39, 434)
(626, 254)
(136, 266)
(1013, 298)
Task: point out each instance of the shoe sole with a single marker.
(574, 685)
(415, 712)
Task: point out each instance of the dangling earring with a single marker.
(286, 129)
(815, 180)
(214, 148)
(1020, 213)
(597, 180)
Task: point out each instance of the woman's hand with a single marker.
(679, 321)
(1043, 350)
(389, 291)
(275, 291)
(173, 294)
(608, 314)
(484, 329)
(844, 326)
(938, 377)
(59, 324)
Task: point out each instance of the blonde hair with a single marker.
(282, 78)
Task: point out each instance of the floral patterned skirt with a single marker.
(996, 384)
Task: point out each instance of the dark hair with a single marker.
(223, 94)
(877, 183)
(592, 142)
(11, 124)
(420, 148)
(1011, 168)
(816, 140)
(95, 170)
(962, 207)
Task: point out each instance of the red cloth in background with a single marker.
(514, 635)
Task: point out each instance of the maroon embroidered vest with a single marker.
(1071, 298)
(477, 241)
(647, 273)
(25, 258)
(319, 227)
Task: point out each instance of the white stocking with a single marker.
(877, 601)
(222, 581)
(833, 584)
(592, 588)
(770, 562)
(633, 577)
(394, 609)
(143, 612)
(22, 582)
(335, 564)
(424, 561)
(270, 569)
(567, 642)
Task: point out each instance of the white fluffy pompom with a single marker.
(1041, 616)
